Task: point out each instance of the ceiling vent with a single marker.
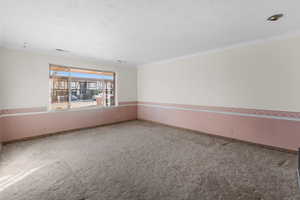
(61, 50)
(275, 17)
(121, 61)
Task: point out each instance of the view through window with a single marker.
(74, 88)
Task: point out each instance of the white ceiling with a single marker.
(141, 31)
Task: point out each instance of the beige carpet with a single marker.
(140, 160)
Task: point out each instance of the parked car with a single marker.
(74, 98)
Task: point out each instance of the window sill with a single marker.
(82, 108)
(64, 110)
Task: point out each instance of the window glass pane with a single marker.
(82, 94)
(75, 88)
(59, 93)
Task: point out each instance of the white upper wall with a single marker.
(24, 78)
(263, 76)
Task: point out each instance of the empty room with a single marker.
(149, 100)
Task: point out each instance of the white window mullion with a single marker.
(69, 89)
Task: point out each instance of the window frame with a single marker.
(69, 108)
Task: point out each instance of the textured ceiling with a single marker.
(141, 31)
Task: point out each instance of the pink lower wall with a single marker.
(272, 128)
(1, 131)
(26, 125)
(266, 129)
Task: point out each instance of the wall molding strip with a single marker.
(224, 112)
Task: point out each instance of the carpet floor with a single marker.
(141, 160)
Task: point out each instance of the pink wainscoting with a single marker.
(1, 130)
(282, 133)
(20, 126)
(279, 133)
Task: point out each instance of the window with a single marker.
(74, 88)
